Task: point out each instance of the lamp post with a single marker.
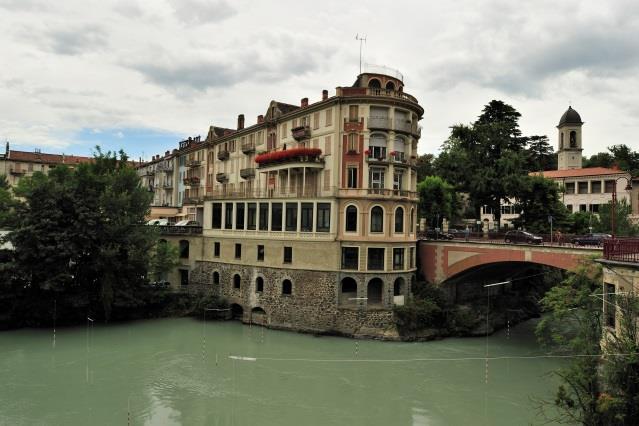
(613, 217)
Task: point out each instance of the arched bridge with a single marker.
(441, 260)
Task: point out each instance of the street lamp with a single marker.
(614, 201)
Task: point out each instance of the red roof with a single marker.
(38, 157)
(588, 171)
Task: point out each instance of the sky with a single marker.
(143, 75)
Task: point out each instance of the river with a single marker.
(178, 372)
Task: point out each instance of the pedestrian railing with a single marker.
(622, 249)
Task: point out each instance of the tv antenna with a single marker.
(361, 39)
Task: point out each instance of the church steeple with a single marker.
(569, 140)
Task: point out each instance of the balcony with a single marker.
(294, 155)
(193, 163)
(403, 126)
(398, 158)
(401, 193)
(17, 172)
(167, 168)
(380, 123)
(376, 160)
(248, 147)
(301, 132)
(222, 177)
(223, 155)
(179, 230)
(192, 181)
(311, 191)
(193, 200)
(367, 91)
(168, 185)
(149, 172)
(248, 173)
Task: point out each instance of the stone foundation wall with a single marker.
(314, 304)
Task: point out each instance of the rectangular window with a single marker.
(582, 187)
(329, 117)
(216, 249)
(351, 177)
(239, 216)
(398, 258)
(307, 217)
(323, 217)
(288, 254)
(595, 187)
(609, 186)
(238, 251)
(216, 216)
(263, 217)
(327, 179)
(377, 178)
(411, 261)
(228, 218)
(397, 181)
(327, 145)
(284, 130)
(260, 253)
(291, 217)
(352, 143)
(184, 277)
(378, 152)
(353, 113)
(582, 207)
(610, 305)
(316, 120)
(375, 259)
(276, 216)
(569, 207)
(594, 208)
(350, 258)
(570, 187)
(251, 216)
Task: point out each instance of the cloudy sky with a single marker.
(142, 75)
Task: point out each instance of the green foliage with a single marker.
(582, 222)
(424, 166)
(621, 155)
(423, 310)
(7, 205)
(601, 159)
(623, 226)
(165, 257)
(437, 200)
(79, 233)
(540, 154)
(539, 198)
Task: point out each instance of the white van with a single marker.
(161, 222)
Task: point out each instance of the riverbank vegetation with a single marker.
(80, 248)
(600, 385)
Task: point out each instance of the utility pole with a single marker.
(361, 39)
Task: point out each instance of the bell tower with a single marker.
(569, 140)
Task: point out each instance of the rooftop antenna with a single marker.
(361, 39)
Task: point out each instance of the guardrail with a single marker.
(622, 249)
(565, 240)
(179, 230)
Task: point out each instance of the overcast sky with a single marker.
(142, 75)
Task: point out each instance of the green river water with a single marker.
(164, 372)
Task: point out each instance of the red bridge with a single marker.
(441, 260)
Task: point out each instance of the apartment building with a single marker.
(309, 214)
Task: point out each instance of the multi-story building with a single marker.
(309, 214)
(17, 164)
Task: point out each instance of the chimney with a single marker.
(166, 154)
(240, 122)
(260, 119)
(304, 102)
(175, 151)
(324, 94)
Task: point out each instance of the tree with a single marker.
(601, 159)
(487, 159)
(437, 200)
(623, 224)
(538, 198)
(79, 233)
(165, 257)
(540, 154)
(424, 166)
(582, 222)
(625, 158)
(7, 205)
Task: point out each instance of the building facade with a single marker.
(309, 215)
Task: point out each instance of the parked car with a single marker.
(159, 284)
(187, 222)
(160, 222)
(458, 233)
(522, 237)
(434, 234)
(590, 239)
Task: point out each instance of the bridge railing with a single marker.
(563, 240)
(622, 249)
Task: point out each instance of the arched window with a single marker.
(573, 139)
(399, 219)
(351, 219)
(377, 146)
(399, 147)
(216, 277)
(398, 287)
(374, 291)
(259, 284)
(237, 281)
(374, 83)
(561, 141)
(390, 85)
(184, 249)
(287, 287)
(377, 219)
